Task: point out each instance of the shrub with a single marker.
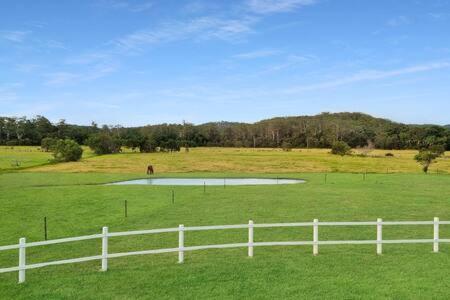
(286, 146)
(146, 145)
(103, 143)
(340, 148)
(12, 143)
(171, 145)
(427, 156)
(389, 154)
(67, 150)
(47, 144)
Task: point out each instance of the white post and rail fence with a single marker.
(181, 249)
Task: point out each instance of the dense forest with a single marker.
(320, 131)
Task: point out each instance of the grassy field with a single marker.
(75, 201)
(20, 157)
(75, 204)
(244, 160)
(14, 158)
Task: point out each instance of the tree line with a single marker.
(319, 131)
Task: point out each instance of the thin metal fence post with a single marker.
(379, 236)
(316, 237)
(22, 259)
(105, 249)
(45, 228)
(436, 235)
(250, 238)
(180, 243)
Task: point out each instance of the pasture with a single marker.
(75, 201)
(245, 160)
(20, 157)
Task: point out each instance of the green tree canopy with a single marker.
(340, 148)
(67, 150)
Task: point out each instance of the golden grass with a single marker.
(248, 160)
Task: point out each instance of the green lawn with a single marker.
(20, 157)
(75, 204)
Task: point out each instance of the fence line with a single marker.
(181, 249)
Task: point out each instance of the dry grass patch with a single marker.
(247, 160)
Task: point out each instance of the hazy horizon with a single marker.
(227, 121)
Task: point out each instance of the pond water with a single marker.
(209, 181)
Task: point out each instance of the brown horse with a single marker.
(150, 170)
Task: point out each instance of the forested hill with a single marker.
(357, 129)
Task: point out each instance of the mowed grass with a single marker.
(19, 157)
(14, 158)
(77, 204)
(245, 160)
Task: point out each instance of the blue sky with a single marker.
(145, 62)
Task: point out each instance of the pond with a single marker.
(209, 181)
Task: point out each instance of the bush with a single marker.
(103, 143)
(146, 145)
(389, 154)
(12, 143)
(47, 144)
(286, 146)
(67, 150)
(340, 148)
(171, 145)
(427, 156)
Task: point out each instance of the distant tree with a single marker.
(172, 145)
(47, 144)
(67, 150)
(303, 131)
(286, 146)
(103, 143)
(146, 145)
(340, 148)
(43, 126)
(133, 139)
(427, 156)
(364, 151)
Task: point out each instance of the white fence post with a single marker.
(22, 259)
(180, 243)
(316, 237)
(250, 238)
(436, 235)
(379, 236)
(105, 249)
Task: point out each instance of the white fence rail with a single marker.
(181, 249)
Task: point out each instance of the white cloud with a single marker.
(89, 58)
(276, 6)
(69, 78)
(398, 21)
(61, 78)
(99, 71)
(142, 7)
(256, 54)
(53, 44)
(291, 61)
(8, 92)
(370, 75)
(199, 28)
(126, 5)
(15, 36)
(196, 7)
(439, 15)
(27, 68)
